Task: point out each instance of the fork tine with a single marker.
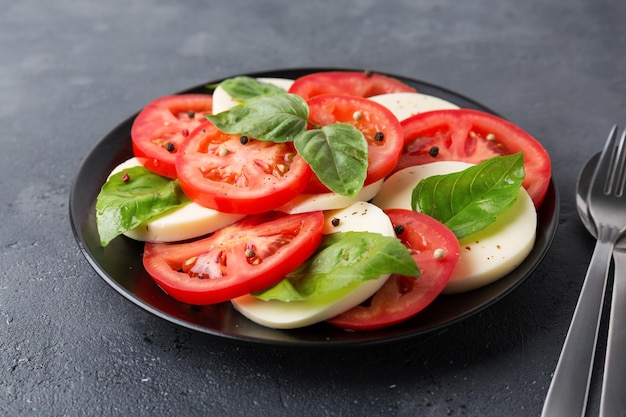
(610, 166)
(605, 163)
(620, 173)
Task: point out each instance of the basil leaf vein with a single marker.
(470, 200)
(133, 197)
(276, 118)
(244, 87)
(343, 259)
(337, 154)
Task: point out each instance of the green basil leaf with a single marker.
(343, 259)
(337, 153)
(275, 118)
(132, 197)
(243, 88)
(468, 201)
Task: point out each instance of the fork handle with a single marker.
(613, 398)
(567, 395)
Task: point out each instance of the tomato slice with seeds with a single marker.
(235, 174)
(381, 129)
(354, 83)
(161, 126)
(474, 136)
(434, 248)
(247, 256)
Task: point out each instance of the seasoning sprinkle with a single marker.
(243, 140)
(169, 146)
(335, 221)
(191, 114)
(434, 151)
(125, 177)
(379, 136)
(399, 229)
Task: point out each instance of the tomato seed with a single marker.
(434, 151)
(188, 264)
(185, 133)
(439, 253)
(491, 137)
(357, 115)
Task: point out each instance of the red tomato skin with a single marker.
(165, 262)
(354, 83)
(241, 183)
(461, 135)
(382, 155)
(164, 121)
(401, 298)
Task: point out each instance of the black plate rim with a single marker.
(548, 217)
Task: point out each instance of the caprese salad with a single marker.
(345, 197)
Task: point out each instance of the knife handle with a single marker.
(613, 397)
(567, 395)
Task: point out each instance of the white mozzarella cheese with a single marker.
(222, 101)
(485, 256)
(329, 201)
(360, 216)
(189, 221)
(406, 104)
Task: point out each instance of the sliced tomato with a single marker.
(474, 136)
(161, 126)
(354, 83)
(381, 129)
(235, 174)
(245, 257)
(434, 248)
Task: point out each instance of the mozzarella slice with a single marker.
(485, 256)
(329, 201)
(406, 104)
(222, 101)
(189, 221)
(360, 216)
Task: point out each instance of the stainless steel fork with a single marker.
(567, 395)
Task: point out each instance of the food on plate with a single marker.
(485, 255)
(312, 202)
(361, 216)
(406, 104)
(162, 125)
(474, 136)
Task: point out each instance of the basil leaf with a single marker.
(275, 118)
(132, 197)
(343, 259)
(468, 201)
(243, 88)
(337, 153)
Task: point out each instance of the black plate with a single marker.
(120, 265)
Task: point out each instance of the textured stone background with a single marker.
(71, 70)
